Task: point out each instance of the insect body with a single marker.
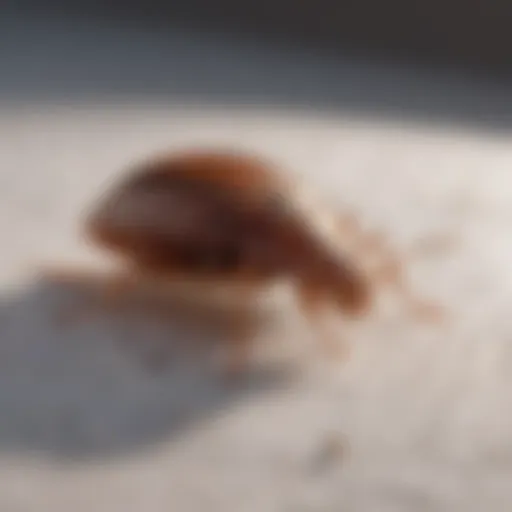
(232, 218)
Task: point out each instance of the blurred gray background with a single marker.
(466, 34)
(434, 60)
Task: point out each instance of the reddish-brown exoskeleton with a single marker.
(231, 218)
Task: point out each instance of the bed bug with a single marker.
(230, 217)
